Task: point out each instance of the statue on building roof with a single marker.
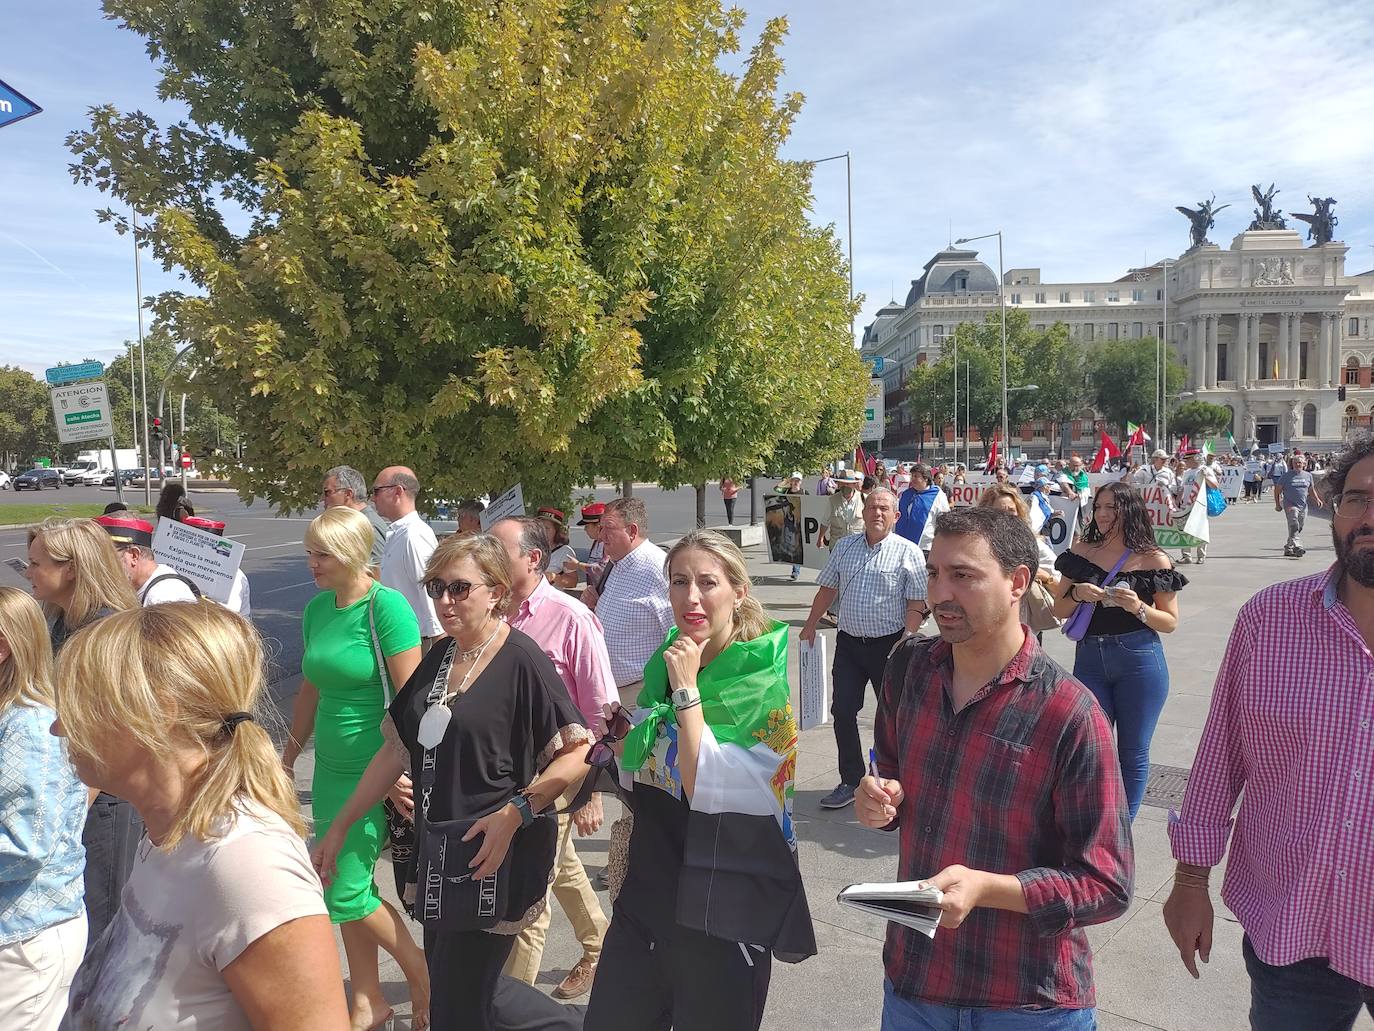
(1322, 220)
(1203, 219)
(1266, 215)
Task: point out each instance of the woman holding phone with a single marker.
(1117, 567)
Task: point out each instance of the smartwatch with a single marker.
(686, 697)
(522, 806)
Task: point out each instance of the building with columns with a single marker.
(1269, 327)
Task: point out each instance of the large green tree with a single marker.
(1057, 363)
(538, 241)
(1123, 376)
(1199, 419)
(26, 426)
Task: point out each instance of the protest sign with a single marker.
(1232, 481)
(965, 495)
(815, 521)
(815, 684)
(511, 503)
(1159, 509)
(782, 521)
(206, 559)
(1276, 449)
(1058, 528)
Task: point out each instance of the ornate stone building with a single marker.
(1269, 327)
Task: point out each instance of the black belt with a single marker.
(868, 640)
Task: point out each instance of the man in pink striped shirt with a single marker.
(570, 635)
(1291, 732)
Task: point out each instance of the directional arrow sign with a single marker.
(14, 105)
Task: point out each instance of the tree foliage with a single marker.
(26, 426)
(1058, 364)
(1122, 374)
(538, 241)
(1200, 419)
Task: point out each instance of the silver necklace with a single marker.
(434, 723)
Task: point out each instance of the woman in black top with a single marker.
(505, 741)
(1121, 660)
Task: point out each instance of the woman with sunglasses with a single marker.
(487, 724)
(351, 628)
(713, 891)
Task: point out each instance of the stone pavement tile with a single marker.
(841, 989)
(1140, 976)
(1186, 710)
(1100, 934)
(1112, 1022)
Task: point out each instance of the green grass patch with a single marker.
(20, 515)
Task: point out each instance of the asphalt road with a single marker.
(274, 560)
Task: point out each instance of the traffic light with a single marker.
(1340, 392)
(157, 429)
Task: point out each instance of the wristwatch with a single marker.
(522, 806)
(685, 698)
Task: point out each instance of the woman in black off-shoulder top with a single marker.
(1121, 659)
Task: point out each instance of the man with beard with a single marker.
(1291, 733)
(997, 770)
(1291, 493)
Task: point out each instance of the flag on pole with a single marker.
(1276, 367)
(992, 453)
(1207, 448)
(1231, 439)
(1105, 450)
(1183, 444)
(1137, 434)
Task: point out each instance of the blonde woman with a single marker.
(42, 809)
(223, 923)
(76, 575)
(351, 627)
(713, 891)
(503, 741)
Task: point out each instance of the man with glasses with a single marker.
(1292, 490)
(344, 485)
(408, 546)
(1291, 735)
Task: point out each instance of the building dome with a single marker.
(953, 271)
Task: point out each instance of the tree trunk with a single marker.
(627, 488)
(701, 505)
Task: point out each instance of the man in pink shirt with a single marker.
(570, 635)
(1291, 733)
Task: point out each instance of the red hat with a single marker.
(592, 513)
(214, 526)
(553, 515)
(125, 530)
(1191, 452)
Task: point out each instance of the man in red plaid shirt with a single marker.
(998, 770)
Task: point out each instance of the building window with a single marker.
(1159, 295)
(1088, 331)
(1089, 296)
(1137, 330)
(1015, 298)
(1352, 372)
(1351, 419)
(1063, 297)
(1111, 331)
(1354, 328)
(1040, 327)
(937, 335)
(1309, 420)
(1113, 295)
(1137, 295)
(1039, 297)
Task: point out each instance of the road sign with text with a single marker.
(14, 106)
(81, 411)
(874, 417)
(73, 373)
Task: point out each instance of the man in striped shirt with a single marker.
(1291, 733)
(876, 582)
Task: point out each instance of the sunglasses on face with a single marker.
(456, 590)
(601, 754)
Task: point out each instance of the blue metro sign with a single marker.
(14, 105)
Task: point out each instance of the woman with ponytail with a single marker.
(712, 892)
(223, 923)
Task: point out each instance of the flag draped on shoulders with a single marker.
(740, 880)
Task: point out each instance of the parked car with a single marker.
(95, 477)
(126, 477)
(5, 482)
(37, 479)
(71, 476)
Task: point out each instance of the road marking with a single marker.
(284, 544)
(288, 587)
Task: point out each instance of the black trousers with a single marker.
(111, 835)
(859, 661)
(730, 510)
(686, 980)
(464, 967)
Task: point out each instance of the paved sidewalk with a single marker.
(1141, 983)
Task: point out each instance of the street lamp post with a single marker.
(968, 421)
(1002, 306)
(849, 207)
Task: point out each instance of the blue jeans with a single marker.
(903, 1014)
(1303, 996)
(1129, 678)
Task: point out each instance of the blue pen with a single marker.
(873, 764)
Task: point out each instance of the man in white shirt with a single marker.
(408, 547)
(1157, 472)
(153, 582)
(1204, 476)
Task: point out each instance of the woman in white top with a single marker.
(223, 925)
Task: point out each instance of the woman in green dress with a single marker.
(350, 627)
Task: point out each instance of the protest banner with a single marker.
(965, 495)
(1058, 528)
(511, 503)
(1159, 509)
(815, 514)
(207, 559)
(782, 519)
(1231, 481)
(815, 684)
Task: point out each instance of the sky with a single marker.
(1074, 127)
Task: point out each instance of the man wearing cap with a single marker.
(238, 590)
(344, 485)
(1157, 472)
(596, 553)
(1202, 476)
(408, 546)
(153, 582)
(846, 507)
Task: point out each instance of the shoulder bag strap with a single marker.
(387, 695)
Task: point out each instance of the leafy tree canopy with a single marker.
(1200, 419)
(1123, 376)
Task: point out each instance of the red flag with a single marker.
(992, 454)
(1105, 450)
(864, 463)
(1182, 445)
(1137, 438)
